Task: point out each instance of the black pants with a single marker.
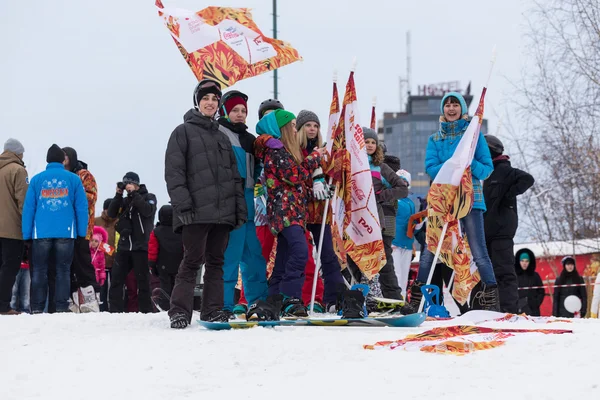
(203, 243)
(104, 292)
(387, 275)
(502, 254)
(167, 283)
(11, 254)
(124, 262)
(83, 273)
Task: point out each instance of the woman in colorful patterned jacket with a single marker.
(286, 172)
(440, 147)
(309, 131)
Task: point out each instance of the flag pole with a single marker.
(320, 246)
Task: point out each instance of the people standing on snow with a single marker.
(501, 220)
(165, 252)
(54, 215)
(402, 245)
(83, 275)
(309, 132)
(108, 224)
(286, 172)
(13, 188)
(97, 254)
(440, 147)
(207, 194)
(568, 276)
(135, 215)
(530, 300)
(244, 250)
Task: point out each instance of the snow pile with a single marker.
(134, 356)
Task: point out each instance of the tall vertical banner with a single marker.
(450, 198)
(355, 213)
(373, 117)
(224, 44)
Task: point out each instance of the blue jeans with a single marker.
(292, 255)
(244, 252)
(472, 225)
(21, 291)
(62, 251)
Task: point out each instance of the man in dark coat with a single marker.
(207, 195)
(136, 219)
(500, 192)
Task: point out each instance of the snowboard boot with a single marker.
(90, 300)
(318, 308)
(415, 296)
(179, 321)
(293, 307)
(217, 316)
(268, 310)
(240, 309)
(353, 304)
(488, 298)
(75, 301)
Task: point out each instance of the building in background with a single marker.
(406, 133)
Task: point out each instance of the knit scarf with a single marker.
(376, 173)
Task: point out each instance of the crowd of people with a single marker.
(251, 206)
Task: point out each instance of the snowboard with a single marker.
(404, 321)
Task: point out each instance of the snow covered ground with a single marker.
(134, 356)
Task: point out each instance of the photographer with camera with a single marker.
(135, 215)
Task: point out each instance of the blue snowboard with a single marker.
(404, 321)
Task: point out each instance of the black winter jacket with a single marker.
(561, 293)
(201, 174)
(170, 243)
(530, 300)
(500, 192)
(135, 215)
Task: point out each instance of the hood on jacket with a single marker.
(268, 125)
(264, 142)
(165, 215)
(100, 231)
(531, 269)
(8, 157)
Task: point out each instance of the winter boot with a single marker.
(318, 308)
(293, 307)
(217, 316)
(353, 304)
(179, 321)
(262, 310)
(90, 300)
(75, 300)
(488, 298)
(415, 297)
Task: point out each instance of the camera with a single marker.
(121, 185)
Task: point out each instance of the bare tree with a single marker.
(559, 137)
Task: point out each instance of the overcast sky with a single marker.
(106, 78)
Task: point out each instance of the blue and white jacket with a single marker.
(441, 146)
(56, 206)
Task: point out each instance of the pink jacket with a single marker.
(97, 254)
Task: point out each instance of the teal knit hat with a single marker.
(463, 104)
(524, 256)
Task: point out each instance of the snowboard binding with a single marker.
(432, 306)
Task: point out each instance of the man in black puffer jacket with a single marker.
(136, 219)
(207, 195)
(500, 192)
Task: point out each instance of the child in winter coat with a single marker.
(165, 252)
(530, 300)
(286, 171)
(402, 245)
(99, 237)
(568, 276)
